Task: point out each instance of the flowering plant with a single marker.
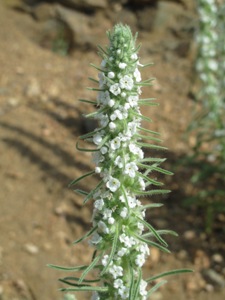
(120, 235)
(209, 120)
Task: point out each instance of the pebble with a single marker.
(31, 248)
(217, 258)
(214, 277)
(189, 235)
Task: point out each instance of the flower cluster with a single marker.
(116, 206)
(207, 63)
(120, 236)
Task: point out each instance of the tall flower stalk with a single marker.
(120, 235)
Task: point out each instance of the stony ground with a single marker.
(40, 120)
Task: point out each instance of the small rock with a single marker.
(214, 277)
(31, 248)
(189, 235)
(33, 89)
(182, 254)
(13, 102)
(201, 260)
(217, 258)
(209, 288)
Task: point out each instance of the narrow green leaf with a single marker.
(151, 228)
(137, 285)
(94, 80)
(89, 268)
(86, 289)
(162, 170)
(97, 68)
(147, 99)
(151, 181)
(151, 192)
(147, 103)
(149, 131)
(132, 286)
(152, 159)
(156, 287)
(160, 232)
(152, 205)
(88, 101)
(151, 243)
(89, 134)
(92, 192)
(77, 279)
(85, 149)
(146, 145)
(79, 268)
(86, 235)
(103, 50)
(172, 272)
(113, 250)
(141, 116)
(147, 137)
(95, 89)
(80, 178)
(81, 192)
(146, 65)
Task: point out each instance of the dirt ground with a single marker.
(40, 121)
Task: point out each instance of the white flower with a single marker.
(134, 56)
(124, 212)
(102, 79)
(122, 251)
(118, 283)
(118, 161)
(128, 241)
(98, 170)
(97, 157)
(116, 271)
(126, 82)
(103, 63)
(115, 143)
(130, 169)
(95, 296)
(102, 227)
(111, 75)
(105, 260)
(113, 184)
(112, 126)
(123, 292)
(137, 75)
(140, 260)
(133, 100)
(132, 202)
(107, 213)
(122, 65)
(117, 114)
(104, 150)
(111, 103)
(97, 138)
(115, 89)
(143, 248)
(111, 220)
(96, 238)
(98, 204)
(143, 285)
(118, 51)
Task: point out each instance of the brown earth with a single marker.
(40, 120)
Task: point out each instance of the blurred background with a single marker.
(45, 55)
